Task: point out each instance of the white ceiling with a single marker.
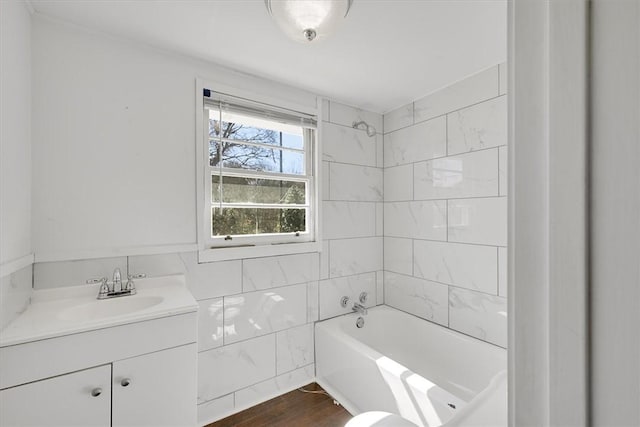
(386, 54)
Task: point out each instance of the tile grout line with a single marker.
(447, 218)
(306, 298)
(449, 307)
(413, 181)
(444, 199)
(350, 127)
(224, 337)
(347, 201)
(446, 135)
(450, 285)
(275, 348)
(498, 271)
(383, 296)
(318, 315)
(413, 257)
(487, 245)
(462, 153)
(498, 172)
(455, 110)
(329, 179)
(255, 384)
(474, 104)
(350, 164)
(413, 112)
(288, 285)
(245, 340)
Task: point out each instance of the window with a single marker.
(259, 185)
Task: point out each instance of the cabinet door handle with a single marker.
(96, 392)
(125, 382)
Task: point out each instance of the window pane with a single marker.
(253, 129)
(242, 221)
(258, 135)
(241, 156)
(252, 190)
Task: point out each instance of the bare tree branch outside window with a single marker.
(252, 220)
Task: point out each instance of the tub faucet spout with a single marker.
(359, 308)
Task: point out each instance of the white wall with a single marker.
(15, 131)
(15, 159)
(114, 142)
(445, 193)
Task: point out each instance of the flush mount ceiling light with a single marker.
(308, 20)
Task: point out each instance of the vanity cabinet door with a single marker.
(157, 389)
(81, 398)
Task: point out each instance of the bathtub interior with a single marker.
(416, 397)
(368, 368)
(488, 409)
(460, 364)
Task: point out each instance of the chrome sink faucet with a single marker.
(115, 289)
(117, 280)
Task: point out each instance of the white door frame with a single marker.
(548, 212)
(615, 213)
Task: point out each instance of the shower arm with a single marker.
(371, 131)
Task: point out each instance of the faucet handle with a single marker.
(130, 286)
(363, 297)
(104, 287)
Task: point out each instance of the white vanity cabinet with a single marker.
(147, 390)
(153, 390)
(80, 399)
(78, 362)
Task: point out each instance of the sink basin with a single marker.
(100, 309)
(58, 312)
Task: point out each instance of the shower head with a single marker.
(371, 131)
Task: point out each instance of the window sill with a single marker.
(227, 254)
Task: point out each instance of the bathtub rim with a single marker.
(471, 338)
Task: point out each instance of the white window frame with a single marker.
(210, 249)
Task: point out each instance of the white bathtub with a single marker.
(405, 365)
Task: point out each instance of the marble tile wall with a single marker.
(445, 206)
(255, 325)
(353, 209)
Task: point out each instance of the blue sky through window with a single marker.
(245, 156)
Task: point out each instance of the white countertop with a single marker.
(42, 319)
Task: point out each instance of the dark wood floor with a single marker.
(291, 410)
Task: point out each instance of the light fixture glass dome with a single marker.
(308, 20)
